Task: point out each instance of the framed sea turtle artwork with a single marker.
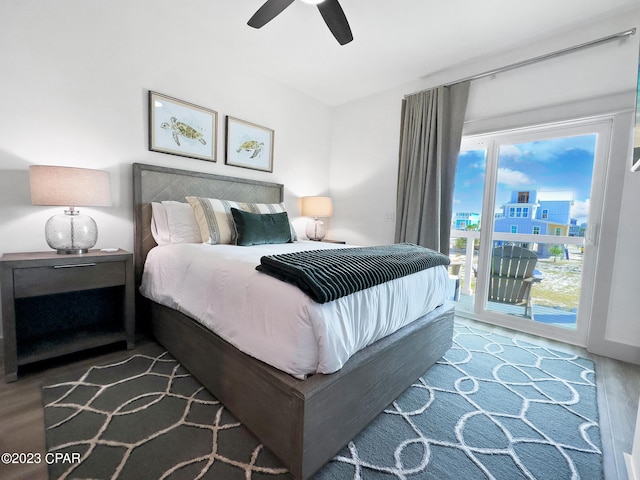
(181, 128)
(249, 145)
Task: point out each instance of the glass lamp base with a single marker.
(71, 251)
(71, 232)
(315, 230)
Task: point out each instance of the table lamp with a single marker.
(71, 187)
(316, 207)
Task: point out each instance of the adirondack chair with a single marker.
(512, 276)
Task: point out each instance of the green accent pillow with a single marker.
(261, 228)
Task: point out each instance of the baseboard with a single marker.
(612, 349)
(628, 460)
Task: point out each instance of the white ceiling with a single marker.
(395, 41)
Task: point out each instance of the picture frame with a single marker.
(181, 128)
(248, 145)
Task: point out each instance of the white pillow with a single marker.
(183, 227)
(174, 222)
(159, 226)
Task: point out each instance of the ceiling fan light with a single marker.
(313, 2)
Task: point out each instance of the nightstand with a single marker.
(53, 305)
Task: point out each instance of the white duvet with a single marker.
(274, 321)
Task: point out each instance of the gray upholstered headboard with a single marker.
(155, 184)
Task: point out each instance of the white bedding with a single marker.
(274, 321)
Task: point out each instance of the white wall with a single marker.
(597, 80)
(364, 169)
(75, 77)
(624, 308)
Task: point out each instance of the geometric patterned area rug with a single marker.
(492, 407)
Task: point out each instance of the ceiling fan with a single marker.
(330, 10)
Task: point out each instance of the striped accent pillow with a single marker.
(214, 219)
(216, 222)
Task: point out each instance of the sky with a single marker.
(554, 165)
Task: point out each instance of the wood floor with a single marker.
(22, 420)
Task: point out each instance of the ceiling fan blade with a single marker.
(267, 12)
(336, 20)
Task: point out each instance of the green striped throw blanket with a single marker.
(326, 275)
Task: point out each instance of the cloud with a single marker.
(580, 209)
(549, 150)
(513, 178)
(510, 152)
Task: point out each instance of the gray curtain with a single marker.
(430, 136)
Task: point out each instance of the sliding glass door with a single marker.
(527, 206)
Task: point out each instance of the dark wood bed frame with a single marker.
(303, 422)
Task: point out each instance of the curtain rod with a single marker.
(540, 58)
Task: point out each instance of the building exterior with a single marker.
(464, 220)
(576, 230)
(529, 212)
(538, 213)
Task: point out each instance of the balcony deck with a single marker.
(542, 314)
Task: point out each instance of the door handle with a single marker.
(591, 234)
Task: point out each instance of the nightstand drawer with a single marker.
(31, 282)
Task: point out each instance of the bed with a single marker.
(303, 421)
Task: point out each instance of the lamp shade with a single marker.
(317, 207)
(69, 186)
